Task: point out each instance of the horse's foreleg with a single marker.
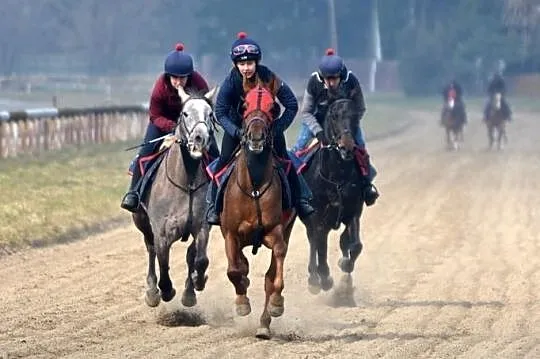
(275, 272)
(165, 284)
(189, 298)
(490, 136)
(350, 245)
(501, 136)
(236, 275)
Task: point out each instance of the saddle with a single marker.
(303, 158)
(222, 176)
(150, 164)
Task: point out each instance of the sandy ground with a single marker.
(450, 269)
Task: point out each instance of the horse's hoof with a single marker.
(276, 311)
(189, 299)
(346, 265)
(199, 282)
(327, 283)
(243, 309)
(263, 333)
(345, 286)
(276, 306)
(314, 286)
(152, 298)
(168, 296)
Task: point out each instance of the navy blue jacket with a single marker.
(230, 100)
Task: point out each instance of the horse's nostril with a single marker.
(198, 139)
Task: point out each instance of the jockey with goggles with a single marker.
(165, 109)
(455, 90)
(332, 76)
(247, 73)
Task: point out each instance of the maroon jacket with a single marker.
(165, 106)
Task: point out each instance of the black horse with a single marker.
(335, 177)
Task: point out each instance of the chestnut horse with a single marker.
(452, 121)
(252, 210)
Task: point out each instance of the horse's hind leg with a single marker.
(317, 237)
(151, 298)
(152, 293)
(199, 276)
(274, 304)
(165, 284)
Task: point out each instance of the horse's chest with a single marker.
(343, 195)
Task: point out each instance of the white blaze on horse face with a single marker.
(451, 102)
(498, 98)
(197, 114)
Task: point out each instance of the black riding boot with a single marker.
(370, 194)
(211, 215)
(301, 193)
(131, 199)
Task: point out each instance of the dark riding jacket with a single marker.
(229, 107)
(315, 103)
(496, 84)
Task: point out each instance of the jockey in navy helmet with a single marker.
(247, 73)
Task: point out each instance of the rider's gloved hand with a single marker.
(321, 137)
(239, 133)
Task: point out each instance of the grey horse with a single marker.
(174, 207)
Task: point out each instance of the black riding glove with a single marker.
(321, 137)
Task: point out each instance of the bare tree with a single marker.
(523, 16)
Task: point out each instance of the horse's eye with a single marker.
(185, 114)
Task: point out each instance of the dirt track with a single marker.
(450, 269)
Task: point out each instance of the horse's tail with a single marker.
(257, 239)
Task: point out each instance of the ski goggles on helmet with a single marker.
(245, 49)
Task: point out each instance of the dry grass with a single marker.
(61, 195)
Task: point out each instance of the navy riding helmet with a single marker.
(331, 64)
(245, 49)
(178, 63)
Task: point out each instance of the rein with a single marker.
(256, 194)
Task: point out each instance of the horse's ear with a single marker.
(183, 94)
(210, 95)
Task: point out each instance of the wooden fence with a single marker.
(38, 130)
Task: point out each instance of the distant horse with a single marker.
(496, 122)
(253, 210)
(337, 182)
(453, 121)
(174, 207)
